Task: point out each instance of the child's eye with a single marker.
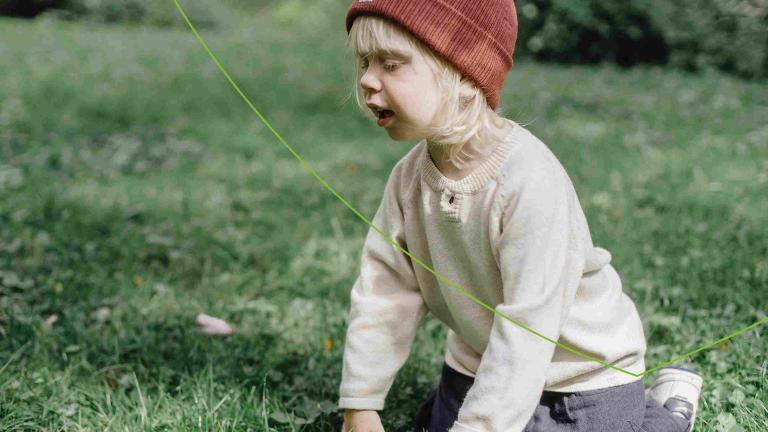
(390, 66)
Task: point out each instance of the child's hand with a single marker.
(361, 421)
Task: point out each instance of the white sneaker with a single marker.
(677, 389)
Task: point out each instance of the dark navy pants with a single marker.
(621, 408)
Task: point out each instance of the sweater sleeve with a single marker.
(541, 258)
(386, 308)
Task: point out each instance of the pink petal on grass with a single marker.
(212, 325)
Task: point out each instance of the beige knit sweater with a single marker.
(513, 234)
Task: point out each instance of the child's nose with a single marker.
(369, 81)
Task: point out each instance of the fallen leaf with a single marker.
(48, 323)
(212, 325)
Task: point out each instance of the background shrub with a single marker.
(731, 35)
(589, 31)
(26, 8)
(153, 12)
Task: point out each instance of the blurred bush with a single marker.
(589, 31)
(204, 14)
(731, 35)
(26, 8)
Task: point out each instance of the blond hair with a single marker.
(464, 115)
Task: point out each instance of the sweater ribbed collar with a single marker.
(479, 177)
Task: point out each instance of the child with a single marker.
(487, 205)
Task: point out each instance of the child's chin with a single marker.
(393, 134)
(397, 135)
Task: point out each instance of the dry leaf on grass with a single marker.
(212, 325)
(48, 323)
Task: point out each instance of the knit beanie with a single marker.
(475, 36)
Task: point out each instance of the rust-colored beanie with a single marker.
(476, 36)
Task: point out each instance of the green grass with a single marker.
(137, 189)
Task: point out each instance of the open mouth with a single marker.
(385, 117)
(384, 113)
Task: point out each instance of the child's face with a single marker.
(404, 84)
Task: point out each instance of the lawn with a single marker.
(137, 190)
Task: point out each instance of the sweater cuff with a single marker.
(361, 403)
(458, 427)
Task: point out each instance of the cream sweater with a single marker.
(513, 234)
